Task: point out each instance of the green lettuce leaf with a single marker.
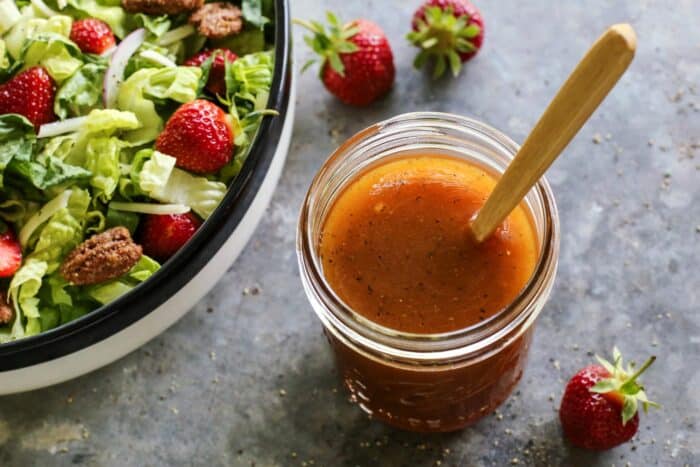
(63, 232)
(108, 11)
(110, 291)
(103, 155)
(23, 290)
(58, 147)
(155, 25)
(59, 56)
(9, 15)
(82, 92)
(200, 194)
(247, 42)
(17, 211)
(115, 218)
(29, 28)
(248, 88)
(100, 124)
(253, 13)
(17, 159)
(17, 138)
(139, 92)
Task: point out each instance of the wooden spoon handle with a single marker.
(582, 93)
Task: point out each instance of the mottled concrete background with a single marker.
(246, 378)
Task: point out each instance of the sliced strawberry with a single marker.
(10, 253)
(161, 236)
(31, 94)
(217, 75)
(200, 136)
(92, 36)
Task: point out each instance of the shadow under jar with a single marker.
(408, 377)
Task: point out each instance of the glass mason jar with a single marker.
(426, 382)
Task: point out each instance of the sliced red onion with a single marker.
(117, 64)
(70, 125)
(149, 208)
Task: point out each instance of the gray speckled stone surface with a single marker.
(248, 379)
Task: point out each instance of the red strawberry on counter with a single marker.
(10, 252)
(200, 136)
(92, 36)
(161, 236)
(357, 61)
(599, 407)
(31, 94)
(450, 31)
(217, 75)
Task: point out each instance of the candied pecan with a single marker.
(161, 7)
(6, 311)
(101, 258)
(218, 20)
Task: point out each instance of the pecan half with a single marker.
(101, 258)
(161, 7)
(218, 20)
(6, 311)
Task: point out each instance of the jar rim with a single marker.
(340, 318)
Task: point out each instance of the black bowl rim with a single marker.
(108, 320)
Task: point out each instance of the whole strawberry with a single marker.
(10, 252)
(92, 36)
(448, 31)
(357, 63)
(200, 136)
(599, 407)
(217, 74)
(31, 94)
(161, 236)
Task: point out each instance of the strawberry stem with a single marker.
(641, 370)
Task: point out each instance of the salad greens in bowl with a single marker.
(123, 124)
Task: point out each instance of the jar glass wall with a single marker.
(426, 382)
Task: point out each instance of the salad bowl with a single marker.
(113, 330)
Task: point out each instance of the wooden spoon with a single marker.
(580, 95)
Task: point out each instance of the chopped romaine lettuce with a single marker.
(108, 11)
(155, 25)
(100, 124)
(116, 218)
(63, 232)
(248, 41)
(103, 155)
(9, 15)
(140, 91)
(30, 28)
(253, 13)
(82, 92)
(16, 138)
(18, 158)
(110, 291)
(59, 56)
(23, 289)
(42, 215)
(200, 194)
